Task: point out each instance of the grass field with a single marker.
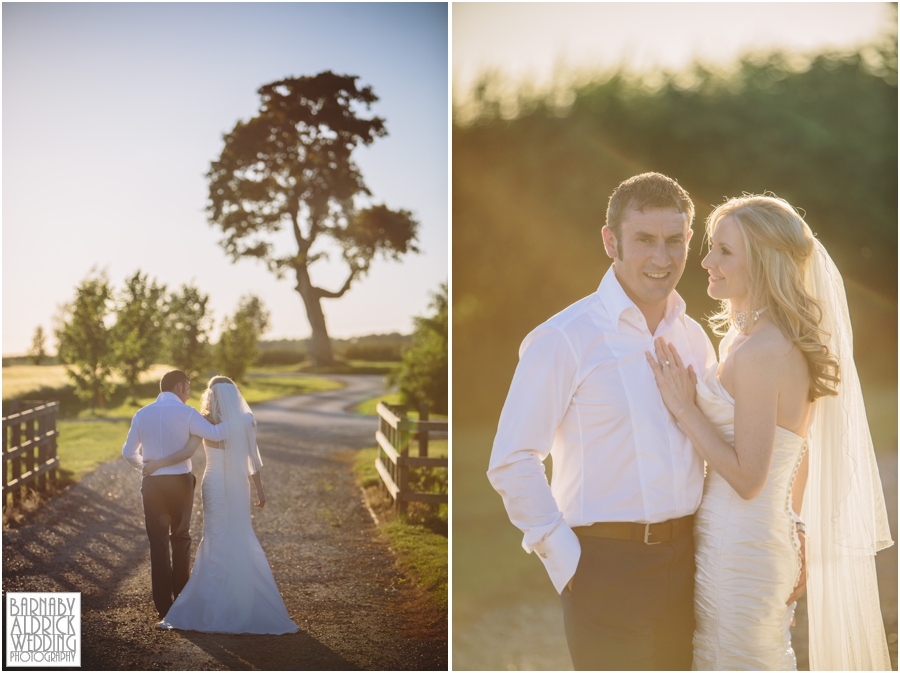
(51, 382)
(84, 445)
(421, 538)
(350, 367)
(368, 407)
(19, 380)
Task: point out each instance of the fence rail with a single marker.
(29, 447)
(395, 431)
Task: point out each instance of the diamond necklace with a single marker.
(739, 320)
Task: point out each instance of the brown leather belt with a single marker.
(648, 533)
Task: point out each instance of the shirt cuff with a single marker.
(560, 552)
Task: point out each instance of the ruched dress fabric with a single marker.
(231, 588)
(747, 555)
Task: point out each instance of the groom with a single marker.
(159, 430)
(614, 530)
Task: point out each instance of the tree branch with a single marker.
(302, 243)
(327, 294)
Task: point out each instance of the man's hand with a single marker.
(801, 583)
(260, 500)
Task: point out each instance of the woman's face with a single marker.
(727, 265)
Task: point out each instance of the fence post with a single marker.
(29, 461)
(15, 440)
(6, 446)
(42, 450)
(53, 451)
(402, 467)
(423, 434)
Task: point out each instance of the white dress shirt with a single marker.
(164, 427)
(584, 393)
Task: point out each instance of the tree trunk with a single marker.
(319, 344)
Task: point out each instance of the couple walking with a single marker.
(675, 529)
(231, 589)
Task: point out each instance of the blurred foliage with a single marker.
(188, 323)
(137, 336)
(37, 355)
(279, 356)
(422, 376)
(84, 339)
(532, 176)
(237, 348)
(374, 352)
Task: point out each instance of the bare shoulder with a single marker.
(765, 351)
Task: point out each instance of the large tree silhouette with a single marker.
(291, 166)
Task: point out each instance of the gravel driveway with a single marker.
(340, 582)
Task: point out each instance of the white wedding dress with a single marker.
(231, 588)
(748, 551)
(747, 554)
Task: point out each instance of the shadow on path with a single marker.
(291, 651)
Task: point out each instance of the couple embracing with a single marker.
(231, 589)
(692, 495)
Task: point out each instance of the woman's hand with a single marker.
(800, 589)
(260, 499)
(677, 384)
(150, 466)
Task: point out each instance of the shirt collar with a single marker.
(169, 398)
(617, 302)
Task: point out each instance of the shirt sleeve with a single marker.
(201, 427)
(538, 398)
(131, 450)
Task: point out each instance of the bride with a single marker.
(231, 588)
(781, 424)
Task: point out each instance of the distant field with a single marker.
(83, 446)
(18, 380)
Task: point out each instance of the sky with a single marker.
(113, 112)
(530, 41)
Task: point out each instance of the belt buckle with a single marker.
(647, 535)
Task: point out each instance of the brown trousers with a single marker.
(168, 501)
(631, 606)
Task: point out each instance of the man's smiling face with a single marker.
(649, 254)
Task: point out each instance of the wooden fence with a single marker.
(395, 430)
(29, 447)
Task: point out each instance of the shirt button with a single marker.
(542, 554)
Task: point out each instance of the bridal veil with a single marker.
(844, 504)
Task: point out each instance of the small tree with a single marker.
(237, 347)
(422, 375)
(37, 354)
(188, 322)
(291, 166)
(84, 339)
(139, 329)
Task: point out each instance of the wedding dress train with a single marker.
(231, 588)
(747, 554)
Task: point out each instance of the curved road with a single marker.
(322, 418)
(340, 582)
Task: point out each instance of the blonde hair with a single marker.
(205, 400)
(779, 246)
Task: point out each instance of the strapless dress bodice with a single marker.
(747, 554)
